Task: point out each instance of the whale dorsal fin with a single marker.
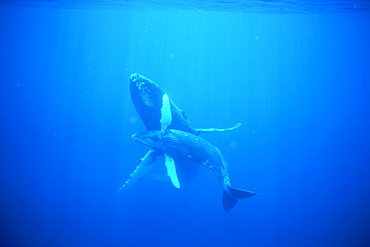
(166, 115)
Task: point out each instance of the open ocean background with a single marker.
(296, 74)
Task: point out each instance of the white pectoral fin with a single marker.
(199, 131)
(166, 119)
(171, 170)
(145, 166)
(166, 115)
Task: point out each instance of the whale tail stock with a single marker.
(231, 196)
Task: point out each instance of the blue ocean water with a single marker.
(296, 74)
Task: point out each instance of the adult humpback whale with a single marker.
(147, 98)
(179, 144)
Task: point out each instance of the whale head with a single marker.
(149, 138)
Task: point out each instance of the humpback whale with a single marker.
(147, 97)
(180, 144)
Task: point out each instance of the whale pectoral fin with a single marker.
(145, 166)
(200, 131)
(171, 170)
(166, 115)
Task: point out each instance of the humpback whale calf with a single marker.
(147, 97)
(180, 144)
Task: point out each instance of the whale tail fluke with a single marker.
(231, 196)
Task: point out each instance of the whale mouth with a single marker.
(140, 138)
(136, 138)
